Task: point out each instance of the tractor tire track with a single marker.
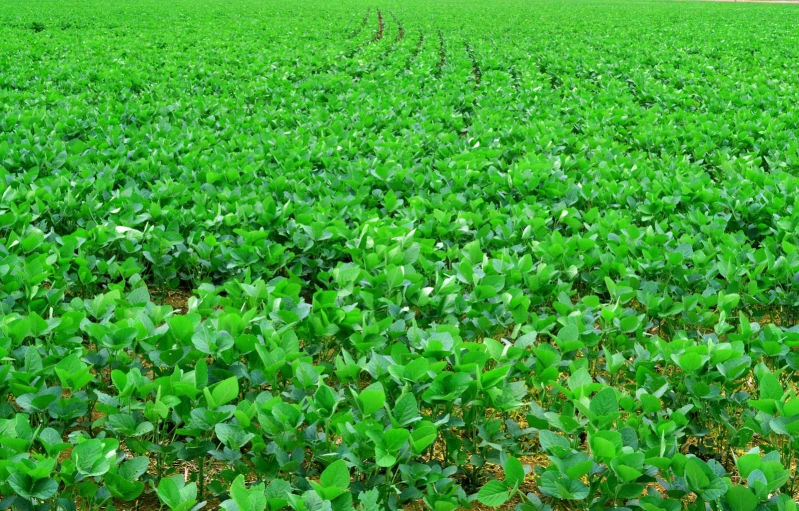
(476, 71)
(638, 97)
(554, 81)
(515, 78)
(442, 54)
(395, 44)
(355, 33)
(353, 52)
(400, 28)
(415, 51)
(381, 26)
(390, 48)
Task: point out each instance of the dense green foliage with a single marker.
(535, 254)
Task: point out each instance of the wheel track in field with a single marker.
(476, 70)
(347, 30)
(442, 54)
(355, 33)
(515, 77)
(381, 26)
(415, 51)
(380, 35)
(396, 42)
(348, 54)
(391, 48)
(377, 36)
(467, 109)
(636, 94)
(513, 71)
(554, 80)
(400, 28)
(355, 50)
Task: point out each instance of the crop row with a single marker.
(335, 256)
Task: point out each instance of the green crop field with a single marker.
(538, 255)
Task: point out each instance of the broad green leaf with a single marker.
(741, 498)
(493, 494)
(514, 472)
(372, 398)
(336, 475)
(123, 488)
(248, 499)
(406, 410)
(169, 493)
(225, 391)
(604, 403)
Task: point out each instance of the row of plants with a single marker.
(330, 257)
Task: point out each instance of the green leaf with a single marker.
(134, 468)
(201, 374)
(690, 362)
(748, 463)
(741, 498)
(247, 499)
(560, 486)
(602, 449)
(514, 473)
(233, 436)
(553, 443)
(695, 475)
(569, 333)
(122, 488)
(525, 264)
(423, 435)
(604, 403)
(629, 324)
(325, 399)
(493, 494)
(306, 375)
(650, 404)
(370, 500)
(580, 378)
(90, 459)
(770, 387)
(372, 398)
(176, 494)
(25, 486)
(336, 475)
(182, 328)
(139, 296)
(169, 493)
(473, 252)
(395, 439)
(277, 492)
(384, 458)
(406, 410)
(119, 379)
(225, 391)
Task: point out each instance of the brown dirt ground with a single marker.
(178, 299)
